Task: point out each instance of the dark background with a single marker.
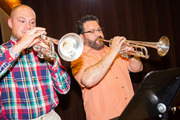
(143, 20)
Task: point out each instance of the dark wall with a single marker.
(145, 20)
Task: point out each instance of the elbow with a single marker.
(140, 69)
(87, 82)
(136, 68)
(135, 65)
(65, 89)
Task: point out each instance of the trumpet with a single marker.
(162, 47)
(70, 47)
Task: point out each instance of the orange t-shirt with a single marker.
(111, 95)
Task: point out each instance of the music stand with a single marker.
(154, 97)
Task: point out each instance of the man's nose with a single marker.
(28, 25)
(98, 32)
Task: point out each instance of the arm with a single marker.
(10, 52)
(135, 65)
(29, 39)
(7, 58)
(94, 74)
(60, 77)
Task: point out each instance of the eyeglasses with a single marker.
(93, 31)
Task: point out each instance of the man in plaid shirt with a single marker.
(27, 83)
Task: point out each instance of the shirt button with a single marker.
(116, 77)
(10, 58)
(122, 86)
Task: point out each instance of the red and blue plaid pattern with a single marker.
(28, 84)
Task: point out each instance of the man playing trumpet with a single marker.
(102, 73)
(28, 84)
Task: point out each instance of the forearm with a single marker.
(62, 82)
(135, 64)
(17, 48)
(94, 74)
(60, 77)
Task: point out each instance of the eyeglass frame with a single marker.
(92, 32)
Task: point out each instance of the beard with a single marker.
(95, 45)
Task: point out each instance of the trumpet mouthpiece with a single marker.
(101, 39)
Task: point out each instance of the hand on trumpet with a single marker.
(45, 48)
(119, 44)
(116, 43)
(27, 38)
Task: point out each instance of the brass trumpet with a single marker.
(70, 47)
(162, 47)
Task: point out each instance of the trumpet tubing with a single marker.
(162, 47)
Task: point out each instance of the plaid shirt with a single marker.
(27, 83)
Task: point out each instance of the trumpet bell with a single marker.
(163, 46)
(70, 47)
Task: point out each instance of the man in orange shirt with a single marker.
(102, 73)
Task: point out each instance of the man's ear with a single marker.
(10, 22)
(82, 37)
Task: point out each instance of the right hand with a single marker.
(30, 38)
(117, 44)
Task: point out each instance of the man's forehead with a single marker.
(23, 18)
(24, 12)
(91, 25)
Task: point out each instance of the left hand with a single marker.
(127, 47)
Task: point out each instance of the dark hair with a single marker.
(80, 23)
